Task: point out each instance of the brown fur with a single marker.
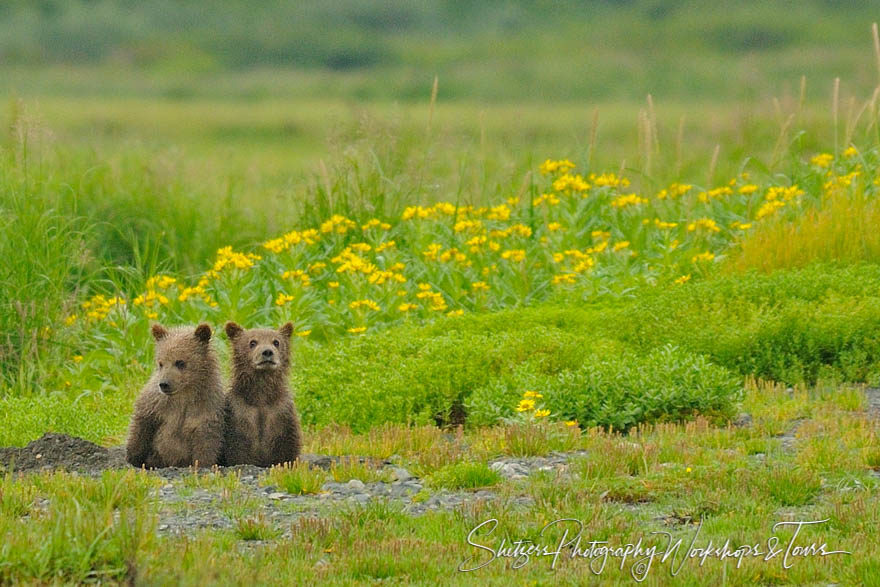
(262, 426)
(178, 416)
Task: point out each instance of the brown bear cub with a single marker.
(262, 426)
(178, 416)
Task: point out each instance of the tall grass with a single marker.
(844, 230)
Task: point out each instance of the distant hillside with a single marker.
(500, 50)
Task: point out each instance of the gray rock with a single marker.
(356, 484)
(510, 470)
(400, 474)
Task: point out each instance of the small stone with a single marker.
(355, 484)
(510, 470)
(361, 497)
(168, 487)
(401, 474)
(743, 420)
(276, 495)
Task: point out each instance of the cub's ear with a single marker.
(233, 330)
(158, 332)
(286, 330)
(203, 333)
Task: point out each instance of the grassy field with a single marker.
(629, 233)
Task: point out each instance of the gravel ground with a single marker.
(187, 505)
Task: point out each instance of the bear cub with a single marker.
(262, 426)
(178, 416)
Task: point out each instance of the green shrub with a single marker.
(409, 375)
(625, 390)
(792, 326)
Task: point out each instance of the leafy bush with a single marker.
(792, 326)
(411, 375)
(623, 389)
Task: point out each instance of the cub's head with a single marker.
(260, 349)
(183, 357)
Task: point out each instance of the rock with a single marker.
(510, 470)
(400, 474)
(276, 495)
(743, 420)
(356, 484)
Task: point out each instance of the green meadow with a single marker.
(641, 234)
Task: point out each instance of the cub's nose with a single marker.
(165, 387)
(268, 353)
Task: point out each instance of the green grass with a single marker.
(663, 478)
(464, 476)
(296, 478)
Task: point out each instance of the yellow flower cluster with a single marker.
(528, 403)
(226, 257)
(515, 255)
(822, 160)
(550, 199)
(714, 194)
(337, 224)
(675, 190)
(349, 262)
(550, 166)
(570, 183)
(376, 223)
(297, 275)
(608, 180)
(99, 306)
(706, 224)
(292, 238)
(369, 304)
(628, 200)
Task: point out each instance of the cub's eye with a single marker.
(180, 364)
(253, 343)
(161, 364)
(275, 342)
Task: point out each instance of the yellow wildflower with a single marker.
(515, 255)
(627, 200)
(283, 299)
(822, 160)
(525, 405)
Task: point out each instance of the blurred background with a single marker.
(270, 83)
(280, 109)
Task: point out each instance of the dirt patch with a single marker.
(60, 451)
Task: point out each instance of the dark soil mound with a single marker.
(60, 451)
